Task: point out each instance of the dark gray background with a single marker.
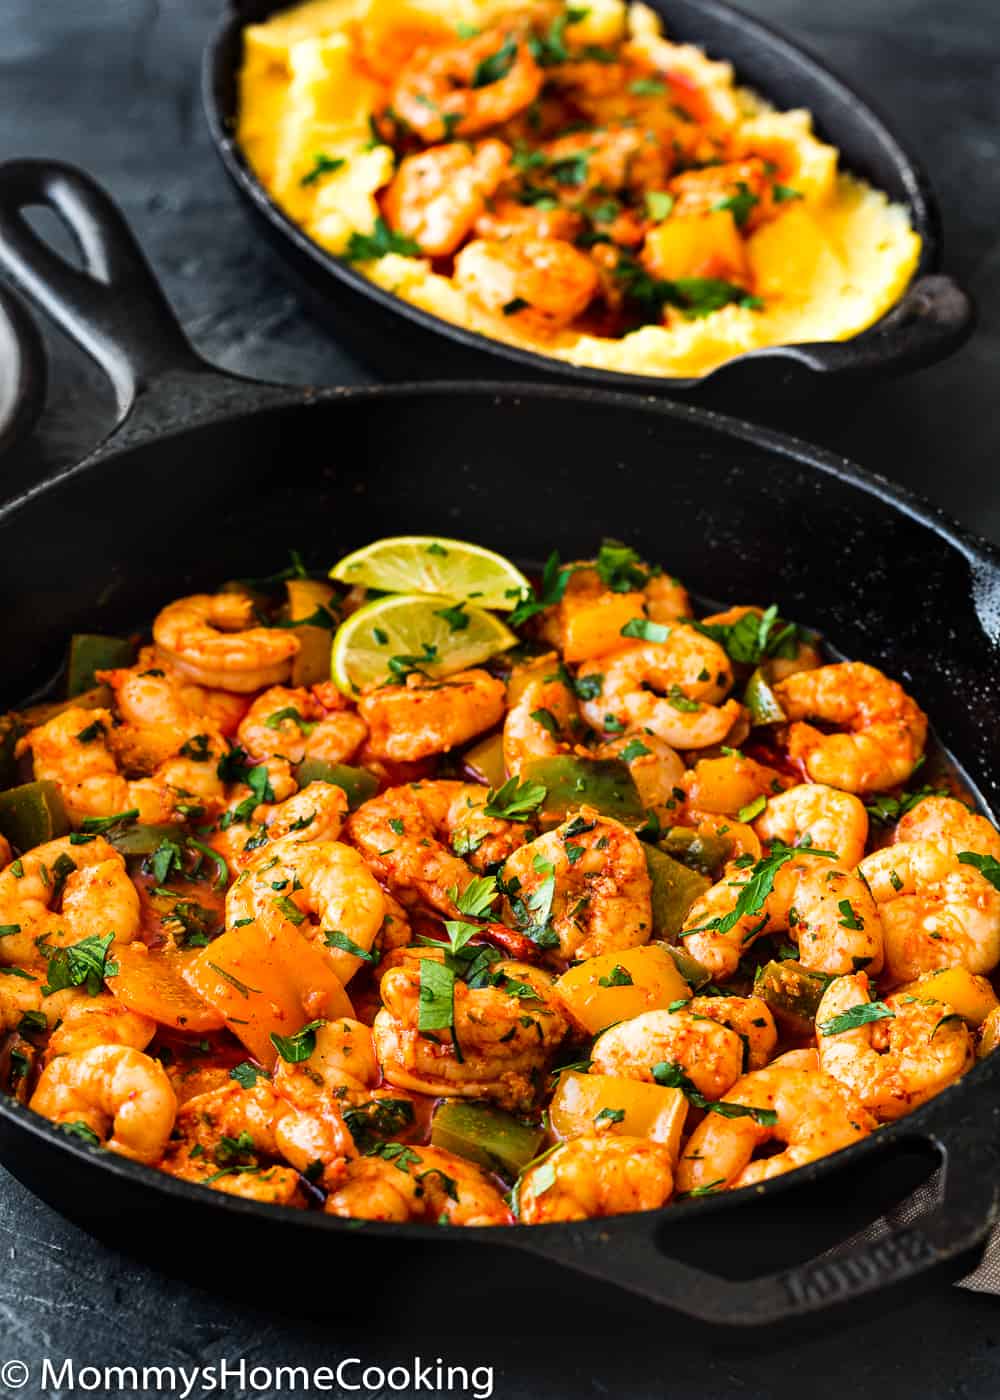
(112, 85)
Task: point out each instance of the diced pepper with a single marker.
(705, 852)
(485, 761)
(88, 653)
(263, 981)
(357, 783)
(32, 813)
(142, 839)
(9, 731)
(761, 701)
(306, 598)
(617, 986)
(496, 1140)
(695, 974)
(792, 993)
(603, 783)
(675, 889)
(588, 1103)
(152, 984)
(591, 625)
(971, 996)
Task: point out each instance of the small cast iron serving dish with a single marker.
(210, 476)
(931, 320)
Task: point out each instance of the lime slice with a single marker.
(413, 632)
(426, 564)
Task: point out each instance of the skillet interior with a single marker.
(932, 320)
(737, 513)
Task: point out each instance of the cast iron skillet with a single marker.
(932, 319)
(210, 477)
(22, 371)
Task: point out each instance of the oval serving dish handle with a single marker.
(113, 307)
(942, 1241)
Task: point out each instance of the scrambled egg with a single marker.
(834, 261)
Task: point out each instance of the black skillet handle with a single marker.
(113, 307)
(932, 320)
(22, 371)
(637, 1257)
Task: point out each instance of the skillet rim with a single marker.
(917, 1127)
(921, 203)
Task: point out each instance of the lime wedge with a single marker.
(426, 564)
(413, 632)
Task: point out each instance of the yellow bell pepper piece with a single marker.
(588, 1103)
(617, 986)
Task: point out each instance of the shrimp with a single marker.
(422, 1183)
(57, 894)
(293, 724)
(709, 1053)
(950, 825)
(666, 598)
(609, 160)
(657, 769)
(886, 729)
(426, 839)
(828, 911)
(233, 1127)
(467, 87)
(342, 1065)
(114, 1090)
(537, 284)
(813, 814)
(156, 724)
(506, 218)
(545, 709)
(74, 750)
(897, 1063)
(588, 881)
(316, 813)
(749, 1017)
(672, 688)
(101, 1020)
(210, 639)
(506, 1032)
(935, 910)
(437, 196)
(814, 1115)
(594, 1176)
(424, 717)
(322, 888)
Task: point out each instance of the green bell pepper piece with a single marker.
(603, 783)
(696, 974)
(792, 993)
(481, 1133)
(675, 889)
(143, 840)
(358, 783)
(761, 701)
(32, 813)
(88, 653)
(705, 853)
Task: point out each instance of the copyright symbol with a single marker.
(15, 1374)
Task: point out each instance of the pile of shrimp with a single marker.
(563, 181)
(239, 967)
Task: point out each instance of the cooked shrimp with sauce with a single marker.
(431, 891)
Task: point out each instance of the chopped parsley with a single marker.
(84, 964)
(514, 801)
(856, 1016)
(322, 165)
(648, 631)
(671, 1076)
(293, 1049)
(366, 247)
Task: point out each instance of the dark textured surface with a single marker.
(111, 84)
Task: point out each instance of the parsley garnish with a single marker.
(740, 204)
(83, 964)
(322, 165)
(514, 801)
(554, 580)
(366, 247)
(856, 1016)
(335, 939)
(988, 866)
(293, 1049)
(752, 638)
(671, 1076)
(648, 631)
(246, 1074)
(498, 65)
